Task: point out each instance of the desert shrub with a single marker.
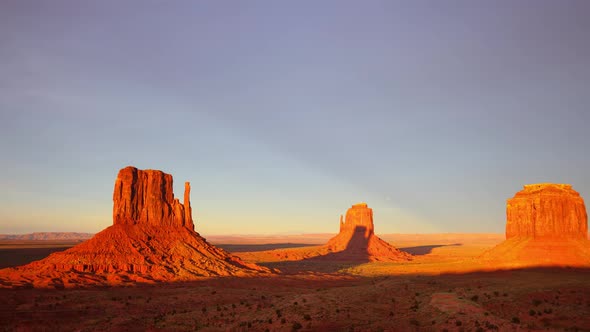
(491, 326)
(537, 302)
(415, 322)
(496, 293)
(307, 317)
(532, 312)
(279, 314)
(458, 323)
(474, 298)
(283, 320)
(296, 326)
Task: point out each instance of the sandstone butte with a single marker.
(152, 239)
(357, 240)
(546, 225)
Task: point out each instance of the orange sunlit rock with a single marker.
(146, 197)
(546, 225)
(151, 239)
(546, 210)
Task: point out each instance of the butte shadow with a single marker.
(152, 239)
(546, 225)
(356, 243)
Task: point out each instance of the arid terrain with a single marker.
(151, 270)
(440, 289)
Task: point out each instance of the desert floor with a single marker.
(443, 288)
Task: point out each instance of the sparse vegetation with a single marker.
(296, 326)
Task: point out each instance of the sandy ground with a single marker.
(437, 291)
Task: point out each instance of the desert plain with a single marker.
(442, 288)
(152, 271)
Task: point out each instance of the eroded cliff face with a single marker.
(547, 210)
(146, 197)
(546, 225)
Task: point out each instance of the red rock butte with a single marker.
(152, 239)
(146, 197)
(546, 224)
(546, 210)
(357, 240)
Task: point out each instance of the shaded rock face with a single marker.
(547, 211)
(357, 240)
(146, 197)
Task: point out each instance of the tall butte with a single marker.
(357, 240)
(152, 239)
(145, 197)
(546, 225)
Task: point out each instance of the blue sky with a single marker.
(283, 114)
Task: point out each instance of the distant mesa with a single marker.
(546, 224)
(152, 239)
(47, 236)
(357, 240)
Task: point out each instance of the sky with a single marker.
(282, 114)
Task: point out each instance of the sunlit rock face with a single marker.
(152, 239)
(146, 197)
(546, 225)
(547, 210)
(357, 240)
